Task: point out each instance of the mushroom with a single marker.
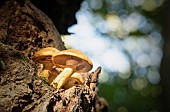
(54, 73)
(44, 57)
(74, 80)
(71, 61)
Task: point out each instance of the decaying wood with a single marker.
(21, 90)
(23, 30)
(26, 28)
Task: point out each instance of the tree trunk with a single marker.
(24, 30)
(165, 64)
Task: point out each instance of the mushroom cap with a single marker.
(74, 80)
(44, 55)
(79, 77)
(74, 59)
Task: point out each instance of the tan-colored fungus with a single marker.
(44, 57)
(54, 73)
(71, 61)
(74, 80)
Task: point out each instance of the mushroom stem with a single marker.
(54, 73)
(62, 78)
(44, 73)
(46, 70)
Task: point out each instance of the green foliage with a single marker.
(123, 95)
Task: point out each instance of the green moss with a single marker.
(8, 51)
(49, 88)
(45, 82)
(44, 79)
(18, 55)
(2, 64)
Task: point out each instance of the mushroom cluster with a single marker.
(63, 68)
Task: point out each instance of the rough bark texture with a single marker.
(26, 28)
(23, 30)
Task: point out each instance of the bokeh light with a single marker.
(150, 5)
(153, 76)
(127, 44)
(139, 83)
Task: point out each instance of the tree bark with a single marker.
(24, 30)
(165, 64)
